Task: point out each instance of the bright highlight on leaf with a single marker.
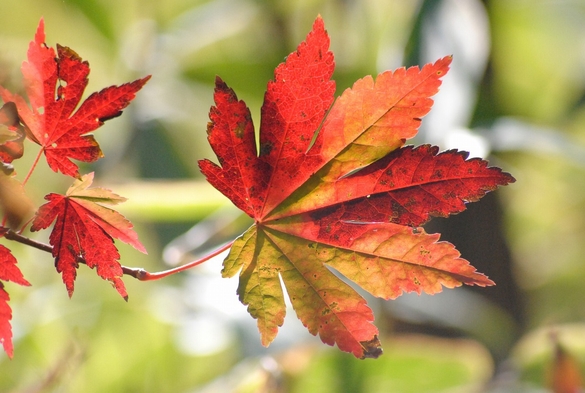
(85, 230)
(55, 83)
(333, 186)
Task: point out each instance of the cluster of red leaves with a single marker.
(333, 186)
(84, 229)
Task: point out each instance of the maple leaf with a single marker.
(8, 272)
(85, 231)
(333, 187)
(55, 83)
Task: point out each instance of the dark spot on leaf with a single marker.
(265, 149)
(438, 174)
(239, 130)
(449, 195)
(106, 118)
(231, 98)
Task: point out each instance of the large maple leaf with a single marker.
(55, 83)
(8, 272)
(333, 187)
(85, 230)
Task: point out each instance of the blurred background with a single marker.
(515, 95)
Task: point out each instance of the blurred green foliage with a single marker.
(533, 74)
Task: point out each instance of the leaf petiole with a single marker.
(32, 168)
(143, 275)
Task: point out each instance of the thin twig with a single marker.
(138, 273)
(143, 275)
(11, 235)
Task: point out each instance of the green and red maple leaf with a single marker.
(59, 122)
(333, 187)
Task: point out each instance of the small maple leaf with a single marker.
(334, 187)
(55, 83)
(8, 272)
(85, 230)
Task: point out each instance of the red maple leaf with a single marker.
(55, 83)
(85, 230)
(8, 272)
(334, 187)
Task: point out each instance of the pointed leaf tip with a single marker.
(40, 33)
